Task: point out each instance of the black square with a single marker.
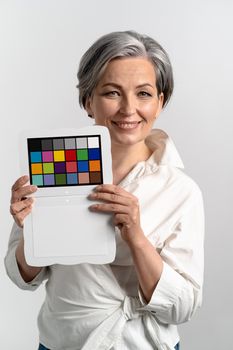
(34, 145)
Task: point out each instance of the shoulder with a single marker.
(184, 184)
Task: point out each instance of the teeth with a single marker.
(127, 125)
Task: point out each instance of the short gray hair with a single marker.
(123, 44)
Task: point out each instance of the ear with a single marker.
(160, 104)
(88, 107)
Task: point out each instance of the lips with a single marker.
(126, 124)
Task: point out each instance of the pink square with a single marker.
(47, 156)
(71, 167)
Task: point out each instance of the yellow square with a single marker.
(59, 156)
(36, 168)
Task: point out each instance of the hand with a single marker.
(125, 208)
(21, 206)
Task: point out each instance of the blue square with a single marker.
(49, 180)
(83, 166)
(72, 178)
(36, 157)
(37, 180)
(94, 153)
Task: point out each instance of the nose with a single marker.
(128, 105)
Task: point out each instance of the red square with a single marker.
(71, 155)
(71, 167)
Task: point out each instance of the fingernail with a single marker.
(92, 195)
(93, 207)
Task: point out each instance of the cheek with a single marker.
(149, 110)
(105, 109)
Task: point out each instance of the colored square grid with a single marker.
(65, 161)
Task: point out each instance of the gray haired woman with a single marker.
(155, 281)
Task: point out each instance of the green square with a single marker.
(37, 180)
(82, 154)
(60, 179)
(48, 168)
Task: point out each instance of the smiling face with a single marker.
(126, 100)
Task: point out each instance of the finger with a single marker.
(113, 189)
(22, 193)
(120, 219)
(20, 182)
(19, 206)
(19, 218)
(111, 197)
(110, 208)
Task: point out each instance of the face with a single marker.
(126, 100)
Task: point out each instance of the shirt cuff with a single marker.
(14, 273)
(165, 295)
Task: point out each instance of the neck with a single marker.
(124, 158)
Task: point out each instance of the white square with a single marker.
(93, 142)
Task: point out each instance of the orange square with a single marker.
(94, 165)
(36, 168)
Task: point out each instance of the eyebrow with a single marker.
(119, 86)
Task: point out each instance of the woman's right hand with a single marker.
(21, 206)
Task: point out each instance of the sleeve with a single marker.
(178, 293)
(12, 266)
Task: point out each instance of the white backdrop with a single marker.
(41, 42)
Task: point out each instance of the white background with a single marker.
(41, 43)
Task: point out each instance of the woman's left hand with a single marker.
(125, 208)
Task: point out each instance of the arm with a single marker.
(125, 208)
(17, 268)
(27, 272)
(170, 282)
(178, 293)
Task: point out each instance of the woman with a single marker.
(155, 281)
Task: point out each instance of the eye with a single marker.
(144, 94)
(112, 93)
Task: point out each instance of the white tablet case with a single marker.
(61, 229)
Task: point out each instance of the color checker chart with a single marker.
(65, 161)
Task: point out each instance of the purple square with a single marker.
(60, 167)
(47, 156)
(49, 180)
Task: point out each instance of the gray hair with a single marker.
(123, 44)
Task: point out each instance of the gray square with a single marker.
(46, 145)
(81, 142)
(70, 143)
(58, 144)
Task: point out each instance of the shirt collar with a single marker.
(164, 153)
(164, 150)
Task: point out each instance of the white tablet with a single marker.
(66, 165)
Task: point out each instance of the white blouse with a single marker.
(100, 307)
